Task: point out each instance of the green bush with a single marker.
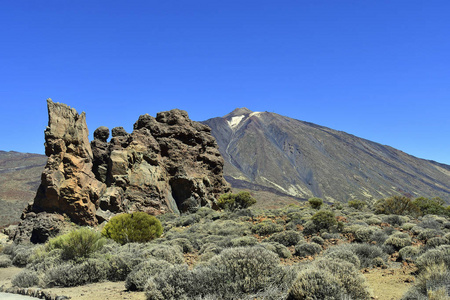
(357, 204)
(399, 240)
(396, 205)
(324, 219)
(136, 227)
(434, 206)
(266, 227)
(233, 202)
(77, 244)
(315, 202)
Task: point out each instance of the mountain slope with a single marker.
(302, 159)
(20, 175)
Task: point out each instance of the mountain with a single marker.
(20, 175)
(267, 151)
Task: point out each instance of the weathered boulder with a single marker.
(68, 184)
(36, 228)
(167, 164)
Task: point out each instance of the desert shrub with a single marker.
(315, 283)
(394, 220)
(123, 259)
(286, 238)
(427, 234)
(431, 283)
(19, 254)
(71, 274)
(330, 236)
(170, 254)
(363, 234)
(409, 252)
(343, 254)
(243, 241)
(26, 279)
(250, 268)
(430, 223)
(77, 244)
(357, 204)
(187, 220)
(136, 227)
(138, 277)
(182, 243)
(408, 226)
(324, 219)
(228, 227)
(266, 227)
(277, 248)
(315, 202)
(436, 242)
(373, 221)
(366, 253)
(233, 202)
(318, 240)
(304, 249)
(5, 261)
(399, 240)
(22, 256)
(229, 275)
(447, 236)
(347, 274)
(439, 255)
(396, 205)
(379, 237)
(208, 213)
(433, 206)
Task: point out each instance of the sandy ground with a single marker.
(389, 284)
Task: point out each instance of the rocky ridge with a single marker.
(167, 164)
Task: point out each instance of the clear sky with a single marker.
(376, 69)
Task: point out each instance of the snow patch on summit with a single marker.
(235, 121)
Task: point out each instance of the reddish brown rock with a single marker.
(167, 164)
(68, 183)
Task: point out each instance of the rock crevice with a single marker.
(167, 164)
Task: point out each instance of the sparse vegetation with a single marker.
(295, 252)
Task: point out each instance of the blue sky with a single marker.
(376, 69)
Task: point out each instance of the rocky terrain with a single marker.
(264, 150)
(167, 164)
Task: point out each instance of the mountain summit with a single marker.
(301, 159)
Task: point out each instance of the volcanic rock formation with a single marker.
(167, 164)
